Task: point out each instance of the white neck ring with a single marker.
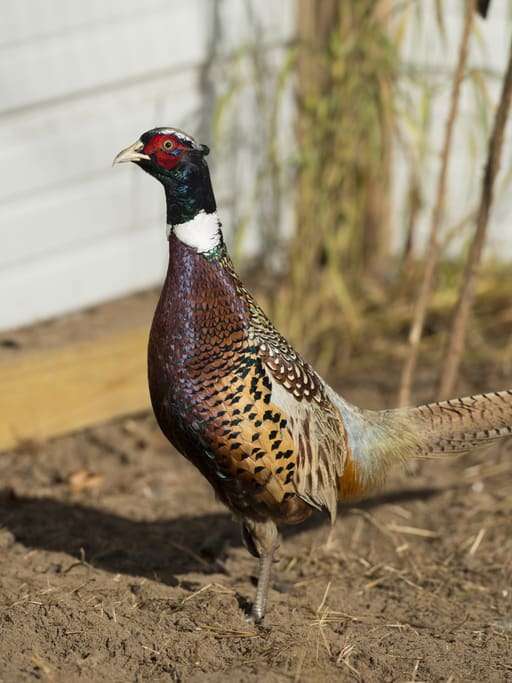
(202, 232)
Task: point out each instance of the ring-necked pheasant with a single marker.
(272, 438)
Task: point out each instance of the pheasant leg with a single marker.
(262, 540)
(260, 602)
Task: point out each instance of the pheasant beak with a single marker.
(131, 153)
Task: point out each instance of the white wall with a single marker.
(430, 59)
(79, 81)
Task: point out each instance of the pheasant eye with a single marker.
(168, 144)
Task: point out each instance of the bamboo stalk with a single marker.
(455, 345)
(434, 245)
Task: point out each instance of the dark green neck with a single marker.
(188, 190)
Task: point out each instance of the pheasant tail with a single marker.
(380, 439)
(461, 424)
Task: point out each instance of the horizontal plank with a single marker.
(71, 280)
(102, 55)
(76, 195)
(120, 200)
(434, 50)
(45, 149)
(27, 21)
(98, 51)
(246, 24)
(49, 147)
(62, 390)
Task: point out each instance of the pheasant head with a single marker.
(177, 161)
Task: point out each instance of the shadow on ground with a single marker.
(156, 549)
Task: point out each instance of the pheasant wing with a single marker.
(314, 422)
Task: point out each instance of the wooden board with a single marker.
(47, 393)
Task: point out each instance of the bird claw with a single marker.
(257, 623)
(254, 617)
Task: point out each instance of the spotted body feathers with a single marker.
(273, 439)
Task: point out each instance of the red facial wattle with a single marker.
(165, 150)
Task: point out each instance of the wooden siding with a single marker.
(79, 81)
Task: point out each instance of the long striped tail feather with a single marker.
(461, 424)
(379, 439)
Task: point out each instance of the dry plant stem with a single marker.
(434, 245)
(346, 66)
(466, 294)
(414, 201)
(377, 214)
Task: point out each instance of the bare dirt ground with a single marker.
(117, 564)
